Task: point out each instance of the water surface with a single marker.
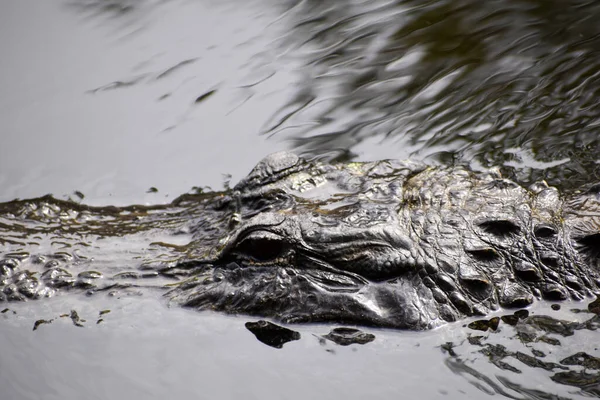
(102, 100)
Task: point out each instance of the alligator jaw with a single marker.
(309, 295)
(396, 244)
(388, 243)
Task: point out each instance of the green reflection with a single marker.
(493, 83)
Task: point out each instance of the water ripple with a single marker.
(465, 80)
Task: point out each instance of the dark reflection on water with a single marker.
(509, 83)
(495, 361)
(493, 83)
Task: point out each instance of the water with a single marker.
(496, 83)
(102, 100)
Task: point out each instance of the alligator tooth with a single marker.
(548, 196)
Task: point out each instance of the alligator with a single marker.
(397, 244)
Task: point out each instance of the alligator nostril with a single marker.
(544, 231)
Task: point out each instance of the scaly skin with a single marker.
(388, 243)
(395, 244)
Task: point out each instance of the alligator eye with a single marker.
(500, 228)
(261, 246)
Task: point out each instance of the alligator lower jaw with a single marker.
(307, 295)
(317, 273)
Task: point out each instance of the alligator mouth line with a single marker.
(306, 265)
(326, 274)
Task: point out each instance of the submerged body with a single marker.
(388, 243)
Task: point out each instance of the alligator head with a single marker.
(390, 243)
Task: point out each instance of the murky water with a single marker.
(102, 100)
(107, 97)
(511, 84)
